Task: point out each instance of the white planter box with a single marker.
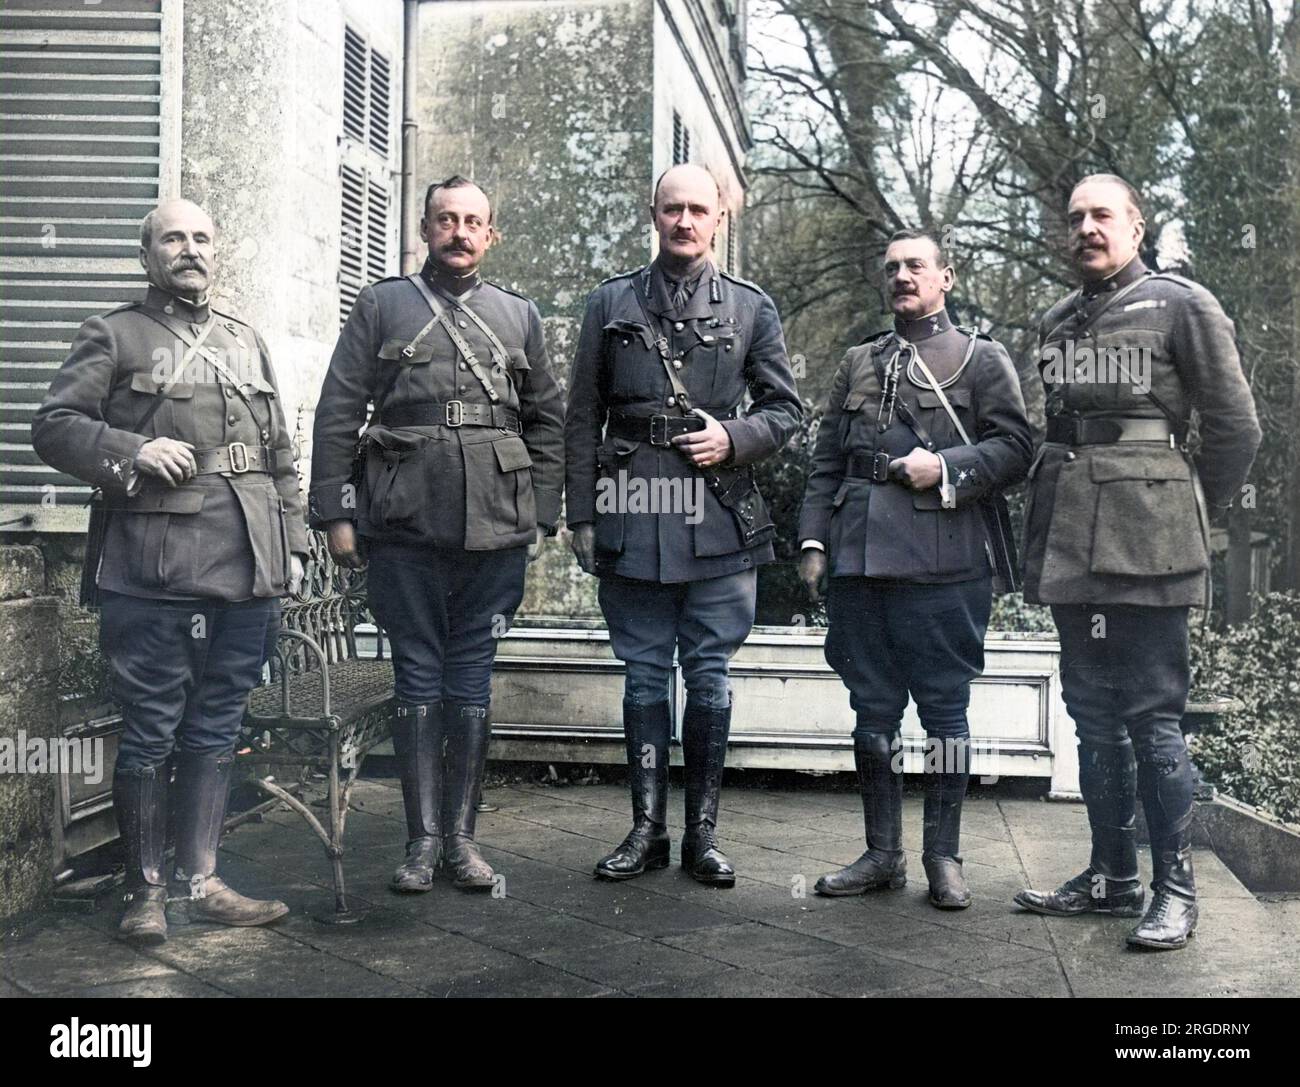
(558, 693)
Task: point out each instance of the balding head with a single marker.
(177, 248)
(687, 209)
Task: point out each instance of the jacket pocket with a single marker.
(1147, 523)
(630, 351)
(152, 563)
(398, 493)
(517, 509)
(713, 368)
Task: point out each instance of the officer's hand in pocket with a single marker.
(535, 548)
(812, 572)
(584, 546)
(167, 459)
(341, 538)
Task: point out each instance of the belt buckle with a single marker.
(880, 467)
(238, 457)
(659, 430)
(455, 413)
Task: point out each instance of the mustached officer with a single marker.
(462, 475)
(664, 359)
(1116, 541)
(170, 408)
(925, 426)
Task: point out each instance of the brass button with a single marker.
(463, 324)
(677, 364)
(226, 390)
(463, 366)
(169, 308)
(1071, 456)
(232, 419)
(626, 341)
(672, 401)
(728, 347)
(678, 326)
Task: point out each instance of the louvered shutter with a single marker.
(86, 105)
(366, 170)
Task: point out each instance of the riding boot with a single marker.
(468, 728)
(140, 803)
(199, 799)
(704, 748)
(1167, 788)
(418, 745)
(945, 788)
(884, 864)
(1110, 884)
(646, 730)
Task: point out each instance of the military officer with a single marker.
(1116, 541)
(459, 482)
(170, 408)
(664, 358)
(899, 497)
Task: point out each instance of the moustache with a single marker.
(189, 266)
(457, 247)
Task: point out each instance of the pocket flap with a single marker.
(512, 454)
(958, 398)
(518, 359)
(840, 495)
(392, 350)
(397, 442)
(631, 328)
(147, 383)
(707, 335)
(181, 500)
(261, 384)
(854, 401)
(1112, 465)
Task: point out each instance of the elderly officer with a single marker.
(459, 482)
(925, 421)
(665, 357)
(169, 407)
(1116, 541)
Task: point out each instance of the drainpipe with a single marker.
(410, 134)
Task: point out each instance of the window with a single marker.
(88, 147)
(366, 170)
(681, 140)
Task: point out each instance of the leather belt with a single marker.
(658, 430)
(865, 466)
(1104, 430)
(454, 414)
(235, 459)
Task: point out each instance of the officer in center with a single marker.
(665, 356)
(899, 495)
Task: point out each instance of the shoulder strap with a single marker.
(680, 395)
(449, 326)
(186, 359)
(483, 326)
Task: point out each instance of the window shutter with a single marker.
(366, 170)
(82, 159)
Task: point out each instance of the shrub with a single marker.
(1252, 754)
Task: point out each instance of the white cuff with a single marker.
(816, 545)
(947, 492)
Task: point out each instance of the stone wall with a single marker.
(30, 631)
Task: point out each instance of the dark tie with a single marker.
(681, 294)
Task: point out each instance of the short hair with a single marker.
(914, 233)
(456, 181)
(1134, 198)
(654, 196)
(146, 229)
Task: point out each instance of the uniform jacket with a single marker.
(886, 530)
(225, 536)
(480, 488)
(728, 340)
(1127, 522)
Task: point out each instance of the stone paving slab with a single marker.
(554, 931)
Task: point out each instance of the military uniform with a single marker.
(190, 575)
(454, 481)
(676, 578)
(1117, 542)
(910, 580)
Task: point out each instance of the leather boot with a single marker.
(1167, 800)
(1110, 883)
(945, 788)
(704, 747)
(140, 804)
(1170, 920)
(884, 864)
(646, 730)
(199, 798)
(468, 728)
(418, 745)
